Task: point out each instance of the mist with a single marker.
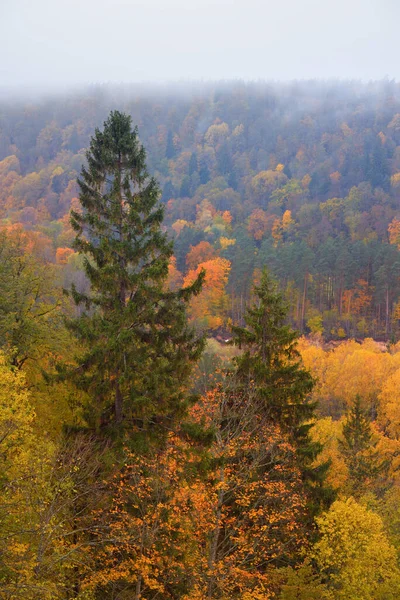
(47, 45)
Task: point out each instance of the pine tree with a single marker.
(366, 468)
(138, 347)
(270, 366)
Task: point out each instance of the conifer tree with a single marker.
(270, 366)
(366, 467)
(138, 347)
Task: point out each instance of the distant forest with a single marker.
(303, 178)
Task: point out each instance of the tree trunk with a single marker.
(303, 308)
(212, 557)
(118, 402)
(138, 591)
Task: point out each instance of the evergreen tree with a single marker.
(192, 164)
(204, 171)
(185, 187)
(270, 366)
(170, 151)
(168, 191)
(366, 467)
(139, 348)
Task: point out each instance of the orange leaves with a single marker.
(62, 255)
(214, 532)
(358, 299)
(259, 223)
(175, 278)
(146, 530)
(209, 307)
(199, 254)
(254, 493)
(335, 177)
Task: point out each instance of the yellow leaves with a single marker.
(328, 432)
(389, 405)
(265, 182)
(394, 232)
(226, 242)
(287, 221)
(354, 552)
(346, 371)
(16, 416)
(216, 134)
(18, 549)
(179, 225)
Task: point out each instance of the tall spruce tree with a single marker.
(138, 346)
(270, 366)
(367, 469)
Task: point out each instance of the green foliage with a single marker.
(137, 343)
(366, 467)
(270, 366)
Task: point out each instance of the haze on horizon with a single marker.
(46, 44)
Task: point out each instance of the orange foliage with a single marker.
(199, 253)
(335, 177)
(62, 255)
(150, 509)
(227, 217)
(209, 307)
(357, 299)
(254, 492)
(31, 242)
(175, 277)
(259, 223)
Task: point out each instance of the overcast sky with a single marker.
(63, 42)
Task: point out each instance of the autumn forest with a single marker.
(200, 343)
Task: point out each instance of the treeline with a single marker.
(302, 177)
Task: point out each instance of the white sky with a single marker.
(64, 42)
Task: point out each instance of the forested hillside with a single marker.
(302, 177)
(164, 431)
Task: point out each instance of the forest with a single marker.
(199, 355)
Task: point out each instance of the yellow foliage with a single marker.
(328, 432)
(216, 134)
(16, 418)
(355, 554)
(346, 371)
(226, 242)
(394, 232)
(287, 220)
(389, 405)
(179, 225)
